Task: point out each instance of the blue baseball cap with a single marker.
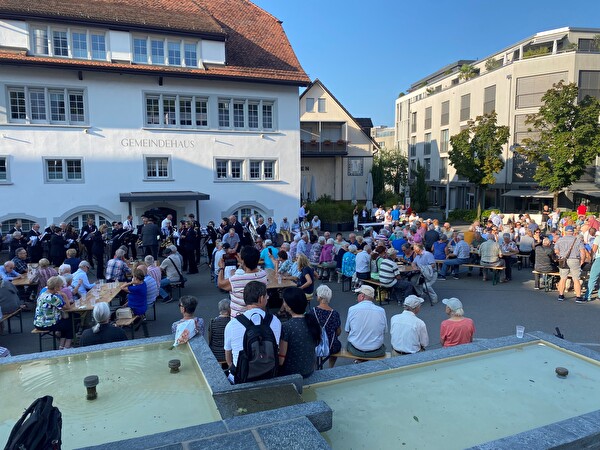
(569, 228)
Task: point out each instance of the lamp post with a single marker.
(447, 193)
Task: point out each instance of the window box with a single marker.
(327, 142)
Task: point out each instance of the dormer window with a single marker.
(169, 51)
(68, 42)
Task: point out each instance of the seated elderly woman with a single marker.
(349, 261)
(137, 293)
(299, 336)
(187, 307)
(457, 329)
(103, 332)
(44, 273)
(69, 290)
(47, 316)
(329, 320)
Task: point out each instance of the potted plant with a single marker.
(341, 142)
(327, 142)
(313, 143)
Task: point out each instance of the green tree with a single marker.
(569, 137)
(394, 166)
(467, 71)
(378, 181)
(419, 189)
(476, 152)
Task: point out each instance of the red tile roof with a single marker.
(257, 48)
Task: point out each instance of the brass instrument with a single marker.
(252, 228)
(166, 242)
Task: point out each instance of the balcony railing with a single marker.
(324, 148)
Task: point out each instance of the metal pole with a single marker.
(447, 194)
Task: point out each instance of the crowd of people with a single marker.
(240, 253)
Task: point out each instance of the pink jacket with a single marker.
(326, 253)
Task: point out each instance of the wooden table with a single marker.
(274, 283)
(276, 287)
(24, 282)
(106, 292)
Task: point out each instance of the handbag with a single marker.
(562, 262)
(182, 279)
(322, 350)
(124, 313)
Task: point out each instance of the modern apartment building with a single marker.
(511, 82)
(125, 106)
(385, 137)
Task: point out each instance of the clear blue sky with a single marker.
(368, 51)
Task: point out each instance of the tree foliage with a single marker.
(419, 189)
(569, 137)
(394, 167)
(467, 71)
(476, 151)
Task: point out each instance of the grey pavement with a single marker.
(496, 310)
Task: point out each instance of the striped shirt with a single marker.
(151, 289)
(388, 270)
(238, 283)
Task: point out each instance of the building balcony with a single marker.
(323, 148)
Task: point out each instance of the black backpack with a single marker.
(259, 358)
(39, 427)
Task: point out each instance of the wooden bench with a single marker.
(6, 318)
(345, 280)
(495, 271)
(175, 285)
(548, 278)
(343, 353)
(153, 307)
(522, 261)
(131, 323)
(381, 292)
(45, 333)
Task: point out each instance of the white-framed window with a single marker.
(190, 54)
(157, 53)
(310, 104)
(98, 41)
(168, 51)
(322, 105)
(224, 119)
(39, 39)
(248, 211)
(47, 105)
(262, 170)
(79, 44)
(63, 170)
(174, 49)
(8, 225)
(68, 42)
(157, 168)
(229, 169)
(60, 43)
(255, 170)
(140, 50)
(178, 111)
(80, 219)
(4, 170)
(243, 114)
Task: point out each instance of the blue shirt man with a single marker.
(8, 272)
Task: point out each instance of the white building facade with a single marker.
(116, 118)
(511, 82)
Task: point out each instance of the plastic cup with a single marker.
(520, 331)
